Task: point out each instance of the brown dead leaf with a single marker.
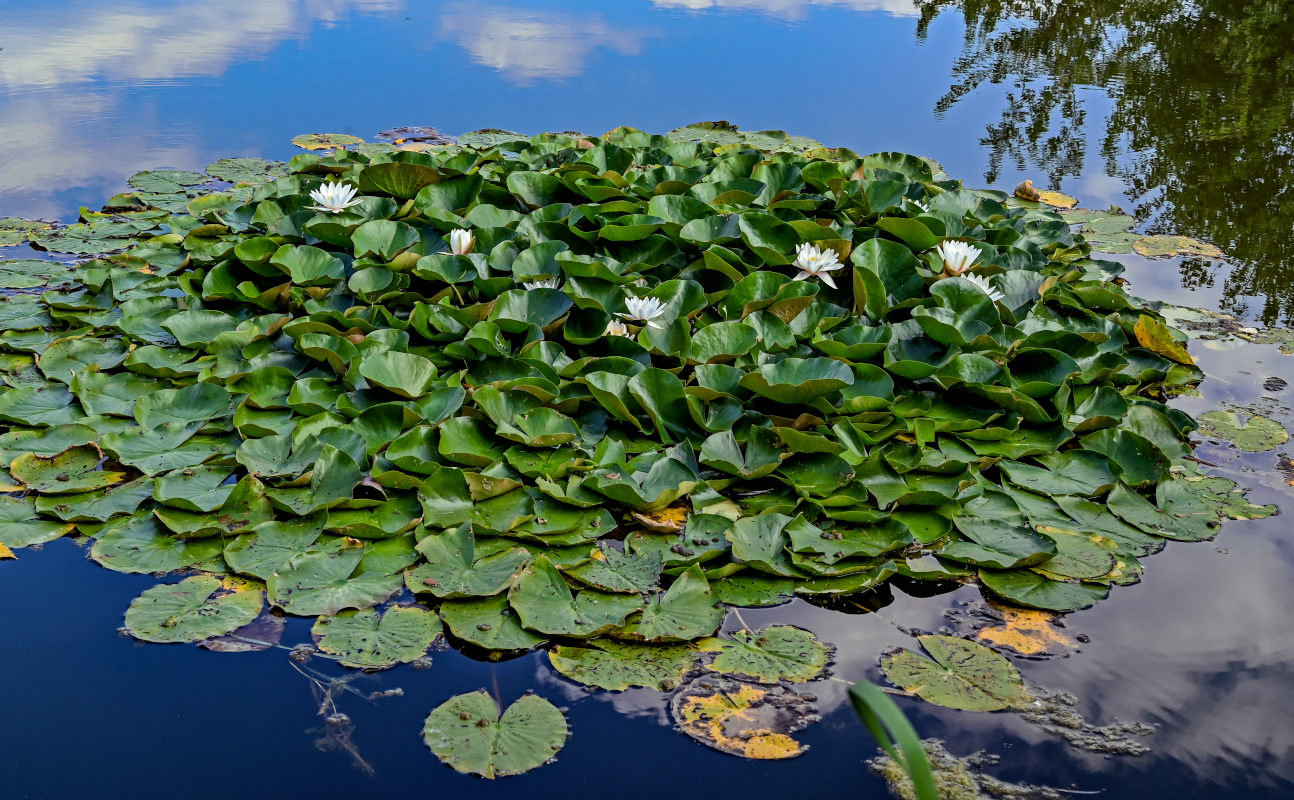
(5, 552)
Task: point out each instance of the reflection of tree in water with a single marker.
(1203, 94)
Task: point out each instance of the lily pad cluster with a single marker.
(564, 387)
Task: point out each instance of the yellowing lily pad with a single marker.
(73, 470)
(1056, 199)
(325, 141)
(1029, 632)
(1158, 339)
(743, 719)
(194, 609)
(1165, 246)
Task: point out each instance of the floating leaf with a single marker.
(608, 664)
(325, 141)
(325, 581)
(962, 674)
(1162, 246)
(1028, 632)
(756, 722)
(1253, 434)
(775, 653)
(467, 733)
(194, 609)
(74, 470)
(369, 640)
(488, 623)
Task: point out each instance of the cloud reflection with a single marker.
(793, 9)
(526, 45)
(61, 128)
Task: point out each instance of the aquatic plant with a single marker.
(576, 388)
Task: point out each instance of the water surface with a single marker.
(1179, 114)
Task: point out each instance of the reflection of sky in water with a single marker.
(90, 93)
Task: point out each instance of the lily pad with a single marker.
(747, 720)
(616, 666)
(1253, 433)
(775, 653)
(468, 733)
(488, 623)
(959, 674)
(194, 609)
(325, 141)
(74, 470)
(325, 581)
(1164, 246)
(369, 640)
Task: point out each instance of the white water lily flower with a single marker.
(920, 205)
(958, 256)
(815, 263)
(333, 197)
(546, 283)
(617, 328)
(984, 286)
(644, 309)
(461, 242)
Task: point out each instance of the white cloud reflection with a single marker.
(526, 45)
(65, 65)
(793, 9)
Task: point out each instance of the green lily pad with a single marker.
(194, 609)
(958, 674)
(546, 604)
(325, 581)
(616, 666)
(468, 733)
(488, 623)
(686, 611)
(775, 653)
(369, 640)
(139, 543)
(452, 569)
(20, 527)
(1253, 434)
(74, 470)
(1036, 591)
(613, 571)
(271, 544)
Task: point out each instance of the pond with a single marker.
(1178, 115)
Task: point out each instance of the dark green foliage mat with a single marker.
(626, 392)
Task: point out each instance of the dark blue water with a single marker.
(1186, 140)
